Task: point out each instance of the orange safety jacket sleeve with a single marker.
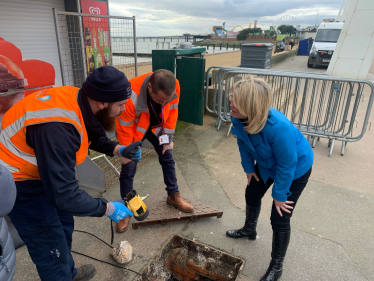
(55, 145)
(125, 124)
(171, 122)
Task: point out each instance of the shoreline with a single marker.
(211, 59)
(231, 58)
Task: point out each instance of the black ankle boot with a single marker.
(249, 228)
(280, 245)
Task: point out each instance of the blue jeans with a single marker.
(167, 163)
(47, 233)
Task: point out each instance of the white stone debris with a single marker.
(123, 252)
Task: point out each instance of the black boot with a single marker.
(249, 228)
(280, 245)
(85, 272)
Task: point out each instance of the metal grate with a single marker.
(106, 162)
(88, 41)
(164, 213)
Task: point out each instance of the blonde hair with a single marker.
(253, 98)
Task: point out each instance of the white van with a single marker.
(324, 43)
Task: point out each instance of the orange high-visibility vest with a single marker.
(51, 105)
(134, 122)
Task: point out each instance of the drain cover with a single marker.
(164, 213)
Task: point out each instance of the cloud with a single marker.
(166, 17)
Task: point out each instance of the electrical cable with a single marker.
(82, 231)
(87, 256)
(110, 246)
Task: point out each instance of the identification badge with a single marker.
(163, 139)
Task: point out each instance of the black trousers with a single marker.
(167, 163)
(257, 189)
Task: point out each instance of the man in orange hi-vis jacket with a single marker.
(151, 113)
(42, 138)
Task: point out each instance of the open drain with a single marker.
(175, 278)
(182, 259)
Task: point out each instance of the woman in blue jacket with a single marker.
(283, 158)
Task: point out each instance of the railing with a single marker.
(319, 105)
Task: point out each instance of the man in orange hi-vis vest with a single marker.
(151, 113)
(42, 138)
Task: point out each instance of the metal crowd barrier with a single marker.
(319, 105)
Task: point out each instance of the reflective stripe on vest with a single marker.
(134, 98)
(173, 106)
(9, 167)
(125, 123)
(13, 128)
(141, 130)
(60, 105)
(169, 131)
(135, 119)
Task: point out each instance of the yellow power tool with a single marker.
(136, 205)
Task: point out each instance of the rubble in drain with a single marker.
(184, 259)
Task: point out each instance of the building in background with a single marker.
(307, 32)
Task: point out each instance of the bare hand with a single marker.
(168, 146)
(283, 206)
(124, 160)
(249, 177)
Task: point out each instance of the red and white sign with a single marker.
(96, 33)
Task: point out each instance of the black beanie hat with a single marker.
(107, 84)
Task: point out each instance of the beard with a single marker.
(108, 122)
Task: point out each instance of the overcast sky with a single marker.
(175, 17)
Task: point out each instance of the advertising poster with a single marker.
(18, 75)
(96, 33)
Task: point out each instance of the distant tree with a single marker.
(272, 33)
(291, 30)
(286, 29)
(256, 30)
(282, 28)
(243, 34)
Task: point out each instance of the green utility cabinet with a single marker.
(188, 66)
